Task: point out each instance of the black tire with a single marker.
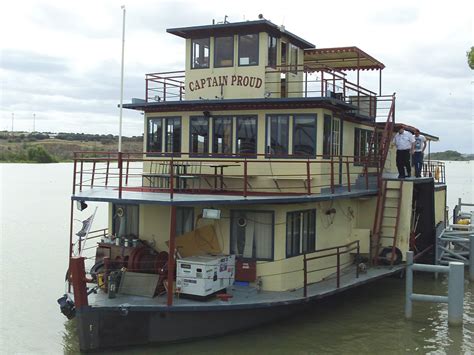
(386, 256)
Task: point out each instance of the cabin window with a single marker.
(272, 51)
(224, 52)
(300, 232)
(222, 137)
(304, 135)
(277, 134)
(155, 135)
(246, 135)
(248, 50)
(362, 139)
(164, 135)
(251, 234)
(293, 59)
(125, 221)
(331, 136)
(184, 220)
(200, 53)
(199, 135)
(284, 55)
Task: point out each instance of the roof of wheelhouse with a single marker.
(245, 27)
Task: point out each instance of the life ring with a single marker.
(386, 256)
(437, 174)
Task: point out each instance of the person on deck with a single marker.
(417, 152)
(404, 142)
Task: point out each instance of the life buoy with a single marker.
(386, 256)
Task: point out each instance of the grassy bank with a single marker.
(55, 150)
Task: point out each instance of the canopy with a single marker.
(340, 58)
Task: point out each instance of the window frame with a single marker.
(126, 206)
(215, 52)
(149, 121)
(240, 51)
(237, 152)
(180, 209)
(290, 254)
(209, 142)
(358, 132)
(302, 115)
(192, 54)
(231, 234)
(293, 58)
(164, 136)
(213, 152)
(268, 153)
(328, 140)
(274, 54)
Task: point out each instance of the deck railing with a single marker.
(166, 86)
(434, 169)
(336, 251)
(234, 175)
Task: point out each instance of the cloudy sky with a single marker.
(60, 60)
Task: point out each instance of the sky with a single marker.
(60, 60)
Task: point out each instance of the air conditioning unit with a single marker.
(204, 275)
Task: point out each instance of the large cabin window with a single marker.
(199, 135)
(222, 137)
(246, 135)
(272, 51)
(223, 52)
(155, 135)
(184, 220)
(200, 53)
(362, 139)
(164, 135)
(251, 234)
(304, 135)
(331, 136)
(300, 232)
(125, 221)
(277, 134)
(248, 50)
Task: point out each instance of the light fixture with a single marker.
(209, 213)
(81, 205)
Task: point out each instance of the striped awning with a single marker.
(340, 58)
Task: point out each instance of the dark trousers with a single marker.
(418, 163)
(403, 162)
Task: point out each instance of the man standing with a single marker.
(418, 149)
(404, 141)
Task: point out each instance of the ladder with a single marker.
(387, 218)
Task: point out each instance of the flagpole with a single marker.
(121, 81)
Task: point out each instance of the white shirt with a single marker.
(419, 143)
(404, 141)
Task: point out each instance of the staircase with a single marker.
(386, 222)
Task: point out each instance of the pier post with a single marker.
(455, 293)
(409, 285)
(471, 258)
(78, 275)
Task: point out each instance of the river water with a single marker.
(34, 219)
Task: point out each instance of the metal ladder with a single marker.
(387, 218)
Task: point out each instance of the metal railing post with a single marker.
(338, 268)
(127, 169)
(308, 176)
(348, 175)
(358, 253)
(120, 165)
(93, 173)
(332, 175)
(409, 285)
(107, 170)
(305, 276)
(455, 293)
(471, 258)
(245, 178)
(171, 179)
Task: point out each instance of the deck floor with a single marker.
(247, 295)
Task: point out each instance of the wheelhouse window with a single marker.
(304, 135)
(164, 135)
(272, 51)
(125, 221)
(300, 232)
(277, 134)
(248, 50)
(199, 135)
(251, 234)
(155, 135)
(184, 220)
(200, 53)
(222, 137)
(331, 136)
(246, 135)
(362, 140)
(293, 59)
(223, 52)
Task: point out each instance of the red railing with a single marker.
(336, 251)
(234, 175)
(167, 86)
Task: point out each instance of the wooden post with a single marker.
(171, 252)
(78, 274)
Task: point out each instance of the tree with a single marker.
(470, 58)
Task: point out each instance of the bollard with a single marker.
(471, 257)
(409, 285)
(455, 293)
